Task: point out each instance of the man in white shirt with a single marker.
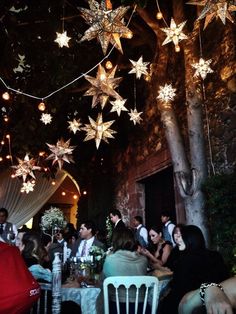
(141, 233)
(8, 231)
(168, 227)
(87, 233)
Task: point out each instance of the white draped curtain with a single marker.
(21, 206)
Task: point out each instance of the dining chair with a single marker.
(50, 299)
(137, 289)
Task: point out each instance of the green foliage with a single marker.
(221, 211)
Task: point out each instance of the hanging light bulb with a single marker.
(1, 159)
(75, 197)
(41, 106)
(6, 96)
(5, 118)
(53, 183)
(128, 35)
(8, 136)
(109, 65)
(177, 48)
(159, 15)
(63, 193)
(2, 142)
(8, 156)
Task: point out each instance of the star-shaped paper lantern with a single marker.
(21, 64)
(74, 125)
(135, 116)
(28, 187)
(106, 25)
(215, 8)
(46, 118)
(25, 167)
(139, 67)
(98, 130)
(118, 106)
(174, 33)
(62, 39)
(61, 152)
(103, 86)
(166, 93)
(202, 68)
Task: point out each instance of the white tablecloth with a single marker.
(85, 297)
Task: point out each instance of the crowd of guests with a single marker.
(179, 250)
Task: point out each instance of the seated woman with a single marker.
(196, 265)
(211, 299)
(34, 255)
(124, 261)
(162, 249)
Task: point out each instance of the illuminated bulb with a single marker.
(177, 48)
(1, 159)
(53, 183)
(8, 136)
(159, 15)
(5, 118)
(108, 65)
(8, 157)
(13, 176)
(2, 142)
(75, 197)
(45, 169)
(129, 35)
(41, 154)
(147, 78)
(84, 192)
(102, 77)
(42, 106)
(63, 193)
(6, 96)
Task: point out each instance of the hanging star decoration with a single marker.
(166, 93)
(61, 152)
(139, 67)
(202, 68)
(98, 130)
(103, 86)
(46, 118)
(106, 25)
(25, 167)
(21, 64)
(28, 187)
(215, 8)
(118, 106)
(174, 33)
(74, 125)
(135, 116)
(62, 39)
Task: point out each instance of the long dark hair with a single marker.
(123, 239)
(193, 238)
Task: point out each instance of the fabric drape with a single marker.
(21, 206)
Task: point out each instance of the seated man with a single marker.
(212, 298)
(19, 289)
(87, 239)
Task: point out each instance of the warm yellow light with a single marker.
(13, 176)
(1, 159)
(128, 35)
(45, 169)
(177, 48)
(102, 77)
(147, 78)
(41, 154)
(8, 136)
(42, 106)
(109, 65)
(53, 183)
(84, 192)
(5, 118)
(6, 96)
(8, 157)
(159, 15)
(2, 142)
(63, 193)
(75, 197)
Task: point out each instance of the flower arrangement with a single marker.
(52, 219)
(109, 229)
(97, 252)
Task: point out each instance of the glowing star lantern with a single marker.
(103, 86)
(74, 125)
(139, 67)
(61, 152)
(106, 25)
(98, 130)
(135, 116)
(166, 93)
(25, 167)
(212, 8)
(46, 118)
(174, 33)
(202, 68)
(62, 39)
(118, 106)
(28, 187)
